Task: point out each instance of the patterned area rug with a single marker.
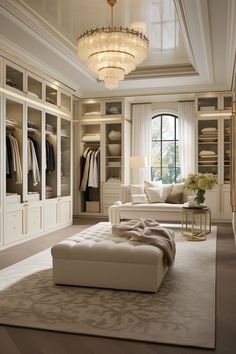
(182, 311)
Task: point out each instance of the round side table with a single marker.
(196, 223)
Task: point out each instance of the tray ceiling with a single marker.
(188, 41)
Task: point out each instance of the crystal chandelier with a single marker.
(112, 52)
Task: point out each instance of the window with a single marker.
(165, 149)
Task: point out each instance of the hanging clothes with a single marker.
(90, 170)
(13, 158)
(50, 158)
(93, 170)
(33, 162)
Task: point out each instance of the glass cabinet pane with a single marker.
(34, 87)
(208, 103)
(65, 102)
(51, 156)
(14, 78)
(208, 146)
(51, 95)
(14, 151)
(34, 154)
(113, 152)
(227, 151)
(227, 103)
(65, 157)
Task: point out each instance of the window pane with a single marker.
(168, 154)
(155, 174)
(168, 175)
(156, 128)
(156, 154)
(168, 127)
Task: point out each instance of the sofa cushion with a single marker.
(136, 189)
(138, 198)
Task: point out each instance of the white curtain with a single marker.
(186, 114)
(142, 136)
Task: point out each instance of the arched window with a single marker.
(165, 148)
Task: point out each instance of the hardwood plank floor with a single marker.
(15, 340)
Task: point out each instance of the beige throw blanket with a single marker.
(149, 232)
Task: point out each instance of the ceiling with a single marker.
(192, 42)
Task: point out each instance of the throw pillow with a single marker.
(138, 198)
(154, 194)
(166, 190)
(152, 183)
(174, 198)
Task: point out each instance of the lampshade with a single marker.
(112, 52)
(137, 162)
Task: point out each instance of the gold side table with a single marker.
(196, 223)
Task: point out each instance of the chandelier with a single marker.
(112, 52)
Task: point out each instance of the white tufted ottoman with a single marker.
(94, 257)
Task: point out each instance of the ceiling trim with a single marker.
(162, 71)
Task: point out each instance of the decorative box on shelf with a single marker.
(92, 207)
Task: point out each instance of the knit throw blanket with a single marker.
(149, 232)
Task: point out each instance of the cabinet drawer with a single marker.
(14, 225)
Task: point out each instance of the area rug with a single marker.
(182, 312)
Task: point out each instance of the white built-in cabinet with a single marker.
(214, 150)
(37, 115)
(102, 128)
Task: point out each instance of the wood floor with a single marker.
(15, 340)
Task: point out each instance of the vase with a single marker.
(200, 195)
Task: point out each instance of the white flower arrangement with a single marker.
(199, 183)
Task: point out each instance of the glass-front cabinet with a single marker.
(213, 103)
(65, 158)
(208, 146)
(34, 153)
(226, 152)
(113, 136)
(51, 94)
(34, 87)
(14, 77)
(14, 110)
(51, 146)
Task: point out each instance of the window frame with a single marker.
(161, 140)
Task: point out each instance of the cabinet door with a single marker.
(51, 152)
(15, 137)
(51, 94)
(65, 145)
(65, 211)
(14, 78)
(35, 156)
(34, 87)
(34, 219)
(208, 138)
(65, 101)
(113, 158)
(50, 215)
(226, 207)
(213, 202)
(226, 152)
(207, 104)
